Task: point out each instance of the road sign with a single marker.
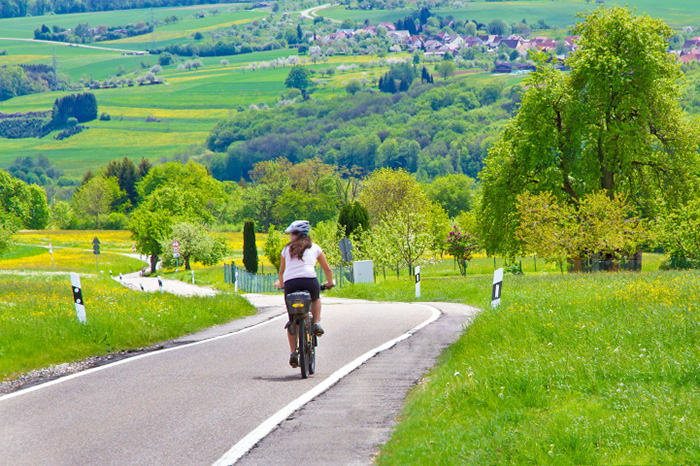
(497, 288)
(78, 297)
(96, 246)
(133, 248)
(176, 244)
(346, 250)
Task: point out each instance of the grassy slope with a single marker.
(570, 370)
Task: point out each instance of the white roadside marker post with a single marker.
(51, 252)
(193, 277)
(418, 282)
(235, 279)
(78, 297)
(160, 283)
(497, 288)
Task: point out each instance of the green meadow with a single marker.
(571, 369)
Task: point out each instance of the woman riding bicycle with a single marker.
(298, 273)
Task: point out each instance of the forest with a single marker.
(431, 130)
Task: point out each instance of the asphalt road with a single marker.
(190, 404)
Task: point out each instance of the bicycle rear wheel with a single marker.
(312, 349)
(303, 348)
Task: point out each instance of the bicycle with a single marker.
(301, 323)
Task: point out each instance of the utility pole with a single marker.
(55, 70)
(153, 34)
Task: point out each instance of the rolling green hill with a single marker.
(190, 103)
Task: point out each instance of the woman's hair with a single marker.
(298, 246)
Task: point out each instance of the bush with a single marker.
(104, 116)
(115, 221)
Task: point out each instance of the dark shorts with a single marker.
(303, 284)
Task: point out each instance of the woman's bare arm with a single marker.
(326, 269)
(280, 281)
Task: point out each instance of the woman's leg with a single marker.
(292, 342)
(316, 310)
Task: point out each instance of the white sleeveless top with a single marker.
(304, 268)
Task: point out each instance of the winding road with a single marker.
(227, 394)
(311, 12)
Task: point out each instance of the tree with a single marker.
(614, 124)
(165, 59)
(387, 191)
(470, 29)
(148, 230)
(454, 193)
(273, 246)
(353, 217)
(61, 215)
(353, 87)
(126, 174)
(462, 245)
(678, 230)
(250, 250)
(299, 77)
(407, 236)
(38, 211)
(8, 227)
(498, 27)
(196, 245)
(192, 177)
(446, 69)
(95, 197)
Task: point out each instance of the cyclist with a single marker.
(298, 273)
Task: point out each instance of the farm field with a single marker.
(571, 369)
(560, 14)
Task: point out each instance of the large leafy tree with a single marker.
(613, 124)
(169, 194)
(299, 77)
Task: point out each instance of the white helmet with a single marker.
(299, 226)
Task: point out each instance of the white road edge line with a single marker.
(135, 358)
(249, 441)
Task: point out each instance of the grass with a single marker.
(595, 369)
(39, 328)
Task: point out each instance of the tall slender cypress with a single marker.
(250, 250)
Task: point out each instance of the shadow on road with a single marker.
(285, 378)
